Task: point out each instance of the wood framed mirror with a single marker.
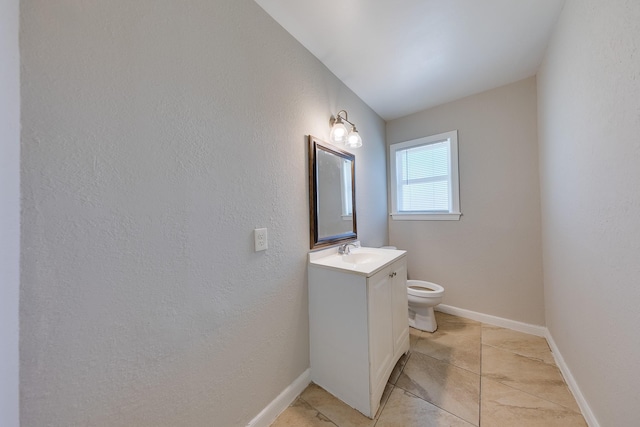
(332, 194)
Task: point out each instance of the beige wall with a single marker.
(589, 110)
(490, 260)
(9, 211)
(156, 137)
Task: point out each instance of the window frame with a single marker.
(453, 213)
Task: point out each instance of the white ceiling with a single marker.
(403, 56)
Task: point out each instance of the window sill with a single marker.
(451, 216)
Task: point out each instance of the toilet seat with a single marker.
(424, 289)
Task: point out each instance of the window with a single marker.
(346, 189)
(424, 178)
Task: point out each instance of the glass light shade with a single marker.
(338, 133)
(353, 139)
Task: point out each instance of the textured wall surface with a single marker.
(589, 110)
(156, 136)
(9, 210)
(490, 261)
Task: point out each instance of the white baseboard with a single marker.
(527, 328)
(587, 413)
(282, 402)
(540, 331)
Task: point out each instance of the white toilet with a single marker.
(423, 296)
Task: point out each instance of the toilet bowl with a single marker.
(423, 296)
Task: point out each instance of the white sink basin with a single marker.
(360, 258)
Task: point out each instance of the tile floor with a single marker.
(465, 374)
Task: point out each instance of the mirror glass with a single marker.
(331, 194)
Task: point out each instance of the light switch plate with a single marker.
(260, 236)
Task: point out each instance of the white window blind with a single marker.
(424, 178)
(347, 189)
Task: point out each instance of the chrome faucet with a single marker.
(344, 249)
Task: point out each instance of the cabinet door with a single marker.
(399, 303)
(380, 326)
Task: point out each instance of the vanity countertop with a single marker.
(361, 260)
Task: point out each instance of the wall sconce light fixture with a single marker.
(339, 133)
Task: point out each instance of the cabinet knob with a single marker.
(392, 274)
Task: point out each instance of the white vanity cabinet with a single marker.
(358, 328)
